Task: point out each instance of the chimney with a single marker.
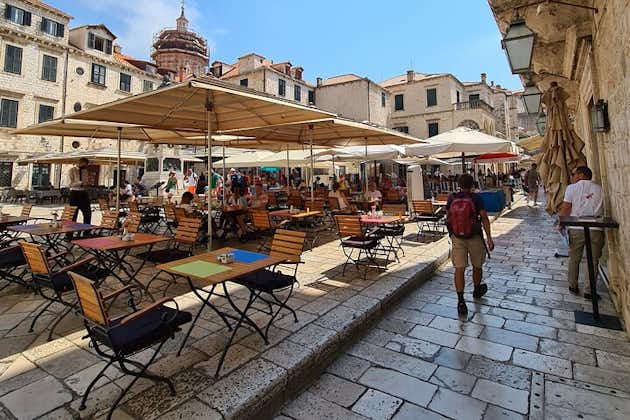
(491, 83)
(117, 49)
(483, 78)
(410, 74)
(319, 82)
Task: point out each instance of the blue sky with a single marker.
(377, 39)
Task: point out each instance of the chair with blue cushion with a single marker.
(50, 279)
(116, 339)
(353, 238)
(13, 266)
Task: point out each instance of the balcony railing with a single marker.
(476, 104)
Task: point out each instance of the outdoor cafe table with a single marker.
(50, 235)
(204, 271)
(594, 319)
(111, 251)
(384, 220)
(363, 204)
(6, 221)
(298, 219)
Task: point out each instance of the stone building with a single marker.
(585, 47)
(354, 97)
(424, 105)
(181, 50)
(257, 72)
(49, 70)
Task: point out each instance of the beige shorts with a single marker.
(462, 248)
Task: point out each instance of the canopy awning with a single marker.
(328, 132)
(501, 157)
(184, 106)
(96, 157)
(421, 161)
(296, 158)
(460, 140)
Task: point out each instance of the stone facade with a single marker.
(71, 88)
(586, 52)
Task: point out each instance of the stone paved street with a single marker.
(518, 354)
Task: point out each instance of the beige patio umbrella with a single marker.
(96, 157)
(562, 148)
(204, 105)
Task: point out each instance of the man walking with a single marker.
(583, 198)
(79, 195)
(466, 216)
(533, 180)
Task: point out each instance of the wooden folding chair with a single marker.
(353, 237)
(425, 216)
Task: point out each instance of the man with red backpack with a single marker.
(466, 217)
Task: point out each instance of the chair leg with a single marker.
(58, 320)
(91, 385)
(44, 309)
(281, 304)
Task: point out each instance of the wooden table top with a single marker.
(115, 243)
(7, 220)
(440, 203)
(44, 229)
(380, 220)
(299, 215)
(236, 269)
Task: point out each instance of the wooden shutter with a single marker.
(108, 46)
(60, 30)
(8, 113)
(42, 26)
(27, 19)
(7, 11)
(91, 40)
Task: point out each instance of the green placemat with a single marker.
(201, 269)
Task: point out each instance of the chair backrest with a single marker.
(394, 209)
(314, 205)
(188, 230)
(169, 213)
(109, 220)
(68, 213)
(442, 196)
(133, 206)
(26, 210)
(35, 257)
(260, 219)
(349, 225)
(180, 213)
(422, 206)
(90, 299)
(392, 195)
(103, 204)
(288, 244)
(295, 201)
(132, 222)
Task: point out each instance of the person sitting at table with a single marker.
(260, 198)
(339, 195)
(186, 202)
(373, 194)
(126, 191)
(238, 201)
(139, 188)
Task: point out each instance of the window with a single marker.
(244, 82)
(13, 59)
(431, 97)
(147, 85)
(8, 113)
(282, 87)
(311, 97)
(49, 68)
(403, 129)
(151, 165)
(6, 174)
(383, 99)
(77, 106)
(46, 113)
(473, 99)
(125, 82)
(434, 129)
(51, 27)
(41, 175)
(98, 74)
(399, 103)
(171, 164)
(297, 93)
(100, 44)
(458, 96)
(17, 15)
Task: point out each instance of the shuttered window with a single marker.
(98, 74)
(13, 59)
(46, 113)
(17, 15)
(431, 97)
(399, 102)
(125, 82)
(8, 113)
(297, 93)
(98, 43)
(434, 129)
(49, 68)
(51, 27)
(147, 85)
(282, 87)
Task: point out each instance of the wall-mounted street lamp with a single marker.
(518, 44)
(599, 117)
(541, 124)
(531, 99)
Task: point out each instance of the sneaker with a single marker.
(574, 290)
(462, 309)
(480, 290)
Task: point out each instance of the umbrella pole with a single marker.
(365, 167)
(312, 171)
(463, 163)
(288, 169)
(209, 139)
(118, 147)
(223, 187)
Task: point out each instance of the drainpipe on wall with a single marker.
(64, 90)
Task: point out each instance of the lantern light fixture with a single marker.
(599, 117)
(531, 99)
(541, 123)
(518, 44)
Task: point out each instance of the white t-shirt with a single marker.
(586, 199)
(374, 195)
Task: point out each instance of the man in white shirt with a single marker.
(582, 198)
(79, 195)
(373, 194)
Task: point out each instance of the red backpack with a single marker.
(462, 217)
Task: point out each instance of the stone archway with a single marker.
(470, 124)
